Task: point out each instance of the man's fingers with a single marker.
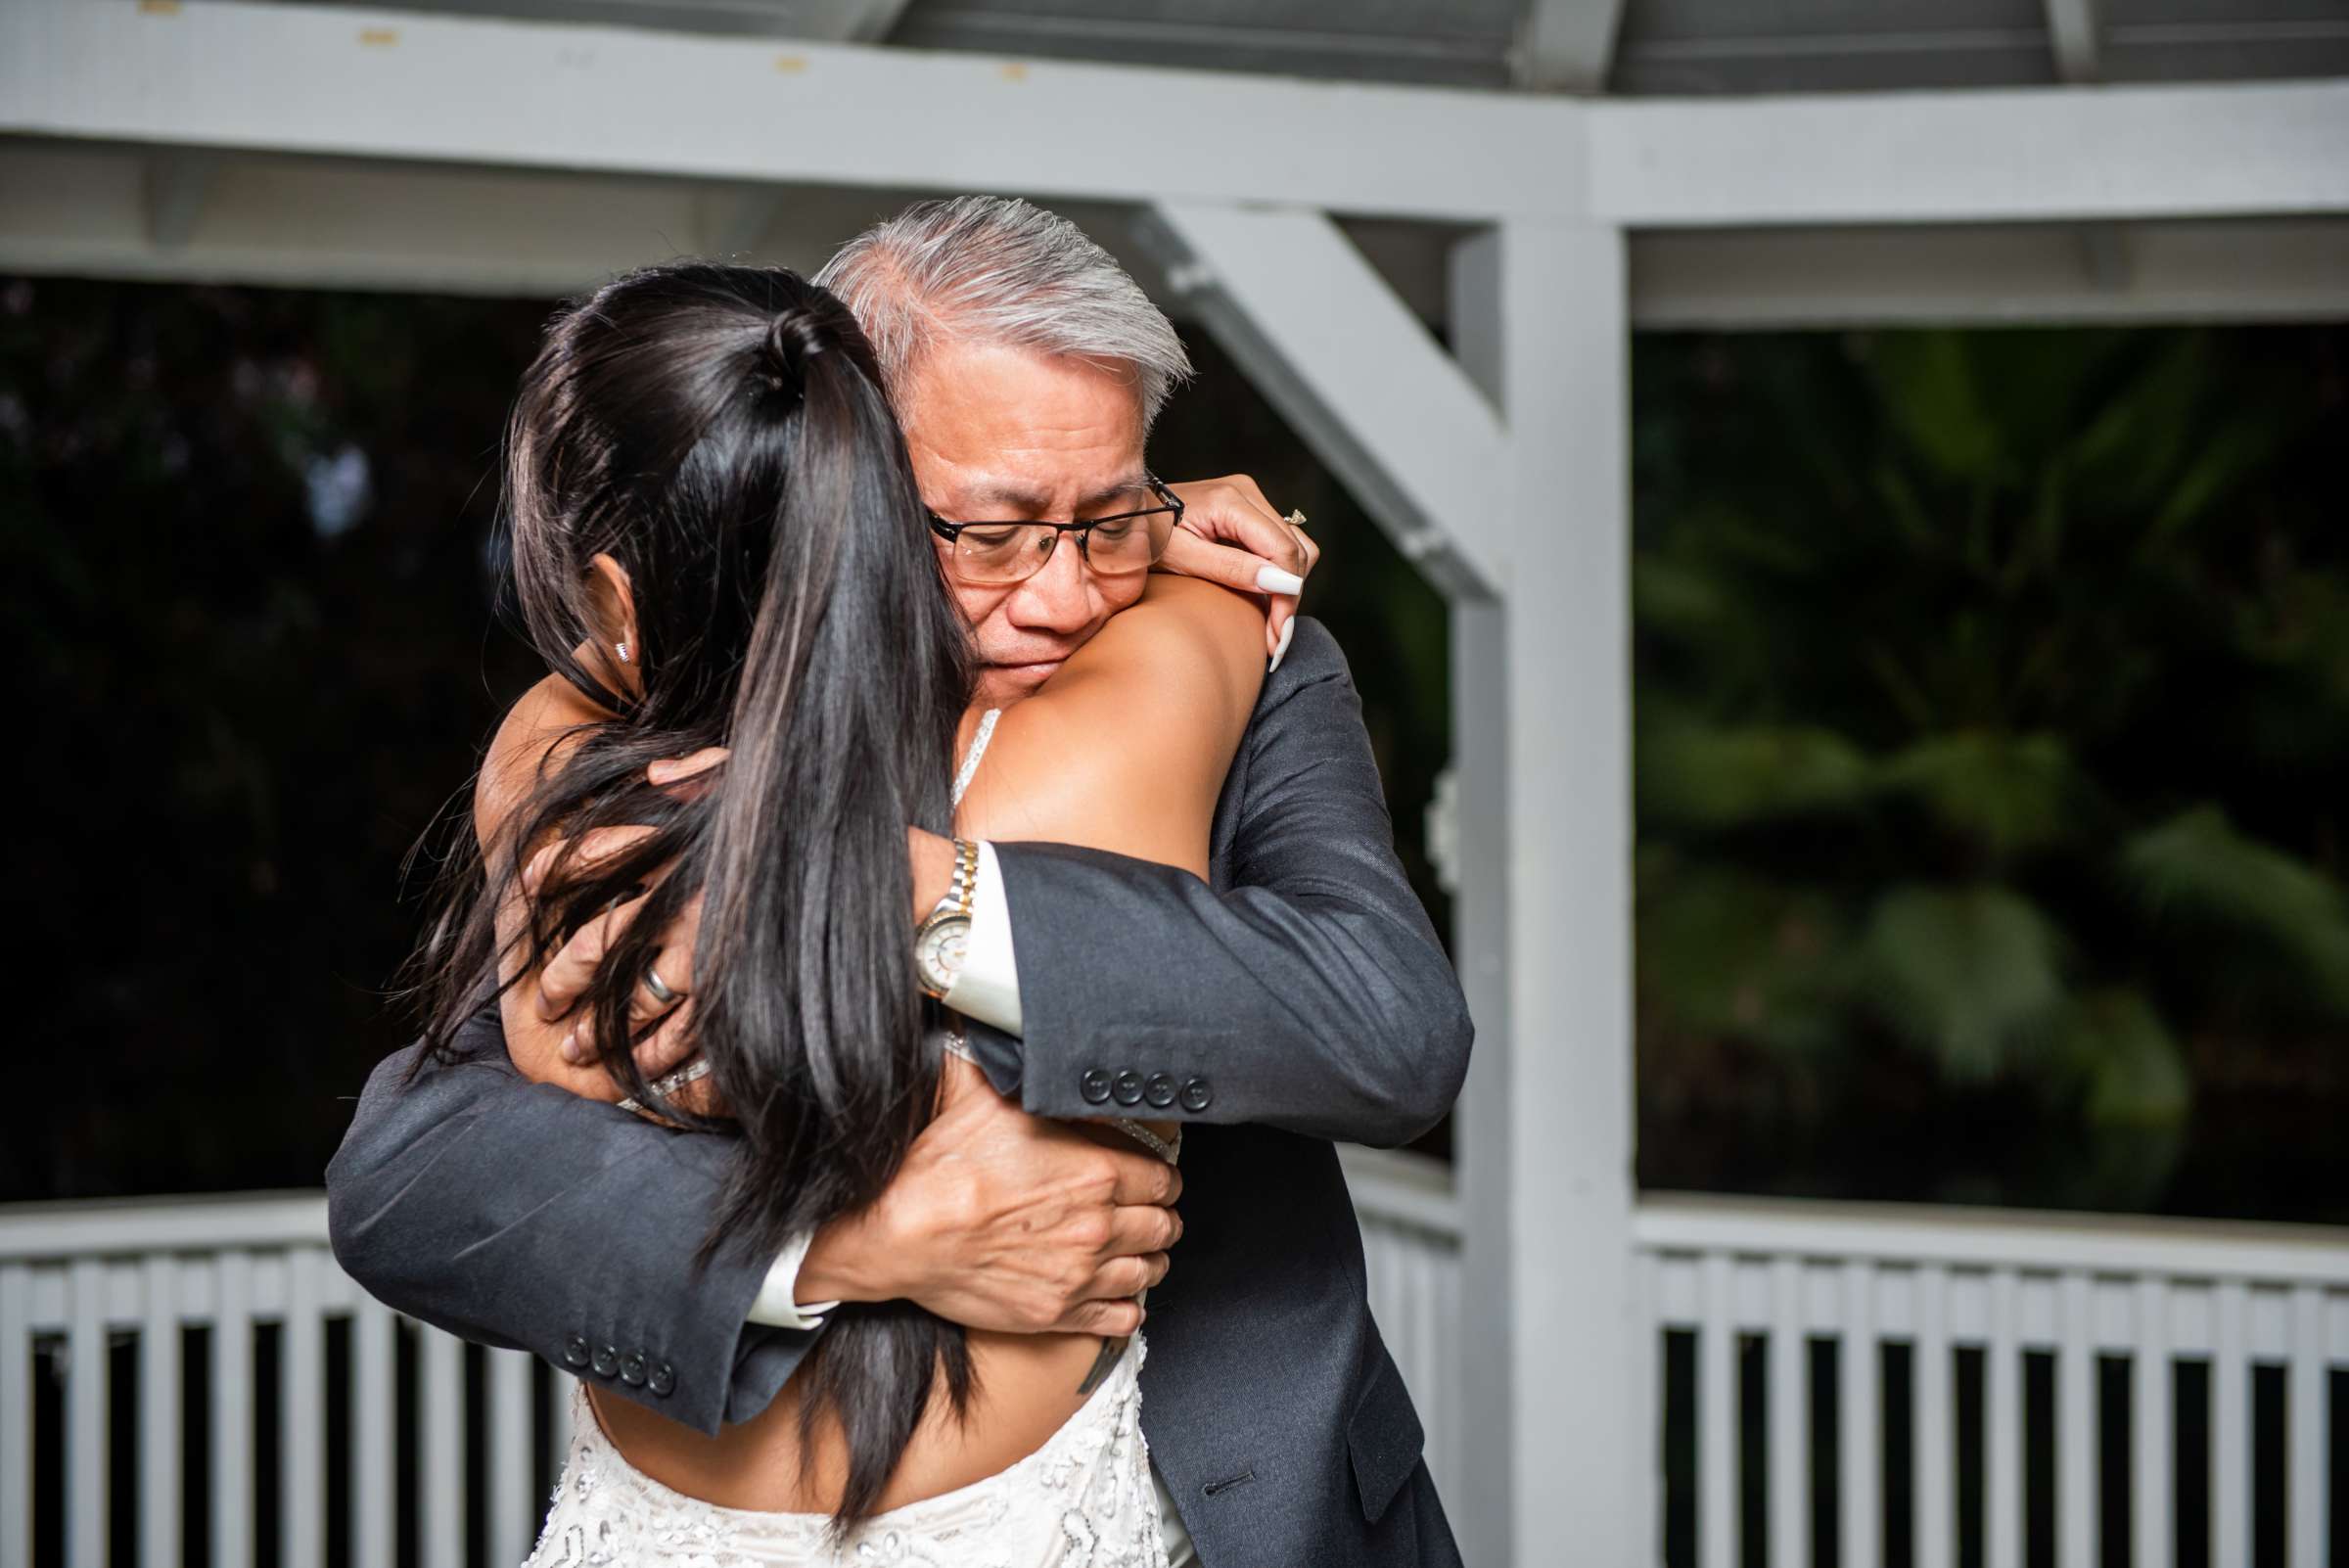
(1143, 1179)
(1107, 1319)
(586, 851)
(1143, 1229)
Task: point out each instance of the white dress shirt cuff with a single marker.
(989, 987)
(775, 1306)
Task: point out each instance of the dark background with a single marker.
(247, 556)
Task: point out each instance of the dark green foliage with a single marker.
(242, 696)
(1992, 707)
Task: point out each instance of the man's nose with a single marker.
(1059, 597)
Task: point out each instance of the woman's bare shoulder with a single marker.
(546, 720)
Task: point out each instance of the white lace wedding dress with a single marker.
(1085, 1499)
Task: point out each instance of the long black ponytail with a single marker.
(722, 434)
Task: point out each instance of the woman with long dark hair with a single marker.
(719, 543)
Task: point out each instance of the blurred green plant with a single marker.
(1993, 704)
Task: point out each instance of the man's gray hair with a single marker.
(994, 270)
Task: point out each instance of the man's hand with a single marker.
(1230, 535)
(1003, 1220)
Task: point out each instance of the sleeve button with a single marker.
(606, 1361)
(1094, 1086)
(632, 1368)
(575, 1352)
(664, 1378)
(1196, 1095)
(1127, 1089)
(1159, 1091)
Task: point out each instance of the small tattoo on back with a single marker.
(1111, 1350)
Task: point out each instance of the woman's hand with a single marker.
(1230, 535)
(568, 973)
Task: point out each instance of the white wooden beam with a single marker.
(868, 21)
(732, 222)
(176, 186)
(1566, 46)
(2021, 155)
(1556, 1343)
(1361, 378)
(2074, 34)
(68, 208)
(2245, 270)
(338, 80)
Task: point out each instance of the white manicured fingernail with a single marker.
(1282, 650)
(1273, 579)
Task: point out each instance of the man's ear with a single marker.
(611, 609)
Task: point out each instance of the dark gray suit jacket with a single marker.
(1298, 998)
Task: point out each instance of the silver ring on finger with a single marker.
(660, 992)
(1295, 520)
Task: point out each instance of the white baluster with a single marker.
(302, 1407)
(1789, 1425)
(2304, 1412)
(1861, 1407)
(232, 1411)
(374, 1412)
(1716, 1418)
(16, 1416)
(512, 1510)
(87, 1379)
(2231, 1425)
(441, 1431)
(2003, 1424)
(160, 1480)
(1647, 1390)
(1933, 1435)
(559, 1390)
(2075, 1424)
(2153, 1486)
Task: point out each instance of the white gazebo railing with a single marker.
(350, 1422)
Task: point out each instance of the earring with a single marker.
(622, 649)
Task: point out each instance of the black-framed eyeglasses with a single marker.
(1127, 539)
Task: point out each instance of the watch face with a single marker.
(937, 951)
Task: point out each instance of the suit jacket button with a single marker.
(1094, 1086)
(1196, 1095)
(1159, 1091)
(575, 1352)
(632, 1368)
(606, 1361)
(664, 1379)
(1127, 1089)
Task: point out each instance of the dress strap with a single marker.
(970, 763)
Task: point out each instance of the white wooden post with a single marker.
(1542, 692)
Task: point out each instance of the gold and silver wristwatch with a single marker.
(942, 941)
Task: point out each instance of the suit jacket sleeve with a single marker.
(515, 1214)
(1306, 992)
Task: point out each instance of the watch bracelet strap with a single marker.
(964, 886)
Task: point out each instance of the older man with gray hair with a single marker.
(1297, 997)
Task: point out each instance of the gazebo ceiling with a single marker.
(1682, 47)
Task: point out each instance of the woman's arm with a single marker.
(1125, 748)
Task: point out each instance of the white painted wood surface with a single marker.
(1856, 1277)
